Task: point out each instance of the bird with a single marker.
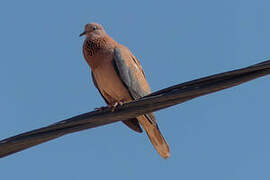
(119, 78)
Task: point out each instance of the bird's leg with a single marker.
(115, 104)
(111, 106)
(102, 108)
(120, 103)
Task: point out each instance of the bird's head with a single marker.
(93, 29)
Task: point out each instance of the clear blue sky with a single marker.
(44, 79)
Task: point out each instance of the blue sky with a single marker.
(44, 79)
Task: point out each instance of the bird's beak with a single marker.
(83, 33)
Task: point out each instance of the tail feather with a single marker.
(133, 124)
(155, 136)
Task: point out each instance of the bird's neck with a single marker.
(97, 46)
(96, 43)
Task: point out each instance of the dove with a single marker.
(119, 78)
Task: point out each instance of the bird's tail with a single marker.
(155, 136)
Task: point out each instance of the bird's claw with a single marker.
(101, 108)
(114, 105)
(111, 106)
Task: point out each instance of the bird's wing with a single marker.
(133, 77)
(131, 72)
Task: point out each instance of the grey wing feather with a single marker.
(127, 76)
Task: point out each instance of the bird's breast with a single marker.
(109, 83)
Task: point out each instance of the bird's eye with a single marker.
(94, 28)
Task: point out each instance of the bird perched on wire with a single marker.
(119, 77)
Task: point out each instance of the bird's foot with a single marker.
(102, 108)
(111, 106)
(114, 105)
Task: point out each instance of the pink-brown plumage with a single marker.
(99, 51)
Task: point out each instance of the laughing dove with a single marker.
(119, 77)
